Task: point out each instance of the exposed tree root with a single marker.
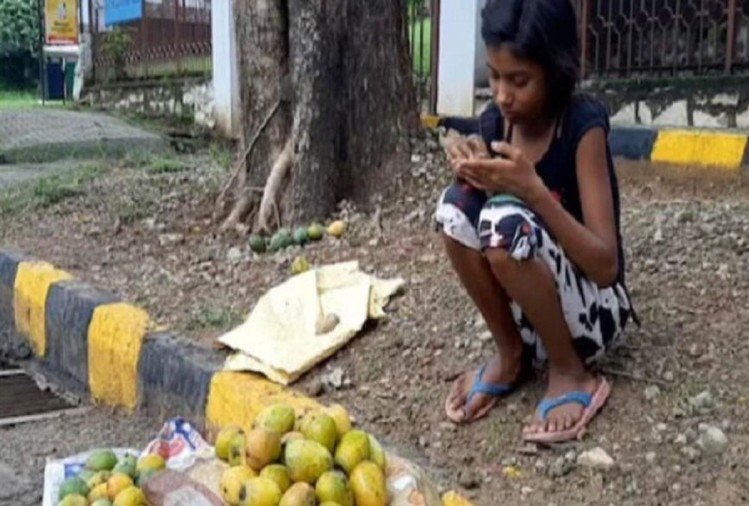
(273, 187)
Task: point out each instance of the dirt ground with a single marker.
(142, 229)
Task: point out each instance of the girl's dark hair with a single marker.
(543, 31)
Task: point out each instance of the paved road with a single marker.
(43, 135)
(25, 448)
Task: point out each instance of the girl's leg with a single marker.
(476, 276)
(531, 285)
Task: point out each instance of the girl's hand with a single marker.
(514, 174)
(466, 148)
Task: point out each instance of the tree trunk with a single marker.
(332, 77)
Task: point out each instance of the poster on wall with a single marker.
(61, 22)
(121, 11)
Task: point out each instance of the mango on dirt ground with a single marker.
(334, 487)
(262, 447)
(320, 427)
(368, 485)
(278, 473)
(224, 439)
(337, 228)
(299, 494)
(232, 482)
(278, 418)
(307, 460)
(353, 449)
(260, 492)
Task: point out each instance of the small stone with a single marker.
(468, 481)
(234, 254)
(486, 336)
(525, 490)
(652, 392)
(560, 467)
(597, 458)
(690, 453)
(170, 239)
(650, 457)
(668, 376)
(680, 439)
(540, 466)
(570, 456)
(661, 427)
(712, 440)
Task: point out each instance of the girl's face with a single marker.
(518, 85)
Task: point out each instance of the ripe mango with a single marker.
(101, 460)
(117, 483)
(334, 487)
(278, 418)
(151, 462)
(131, 496)
(320, 427)
(341, 418)
(262, 447)
(279, 474)
(232, 482)
(299, 494)
(307, 460)
(260, 492)
(236, 450)
(353, 449)
(224, 439)
(376, 453)
(368, 485)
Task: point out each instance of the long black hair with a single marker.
(543, 31)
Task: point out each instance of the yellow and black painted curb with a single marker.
(724, 150)
(111, 350)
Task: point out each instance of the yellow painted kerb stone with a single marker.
(115, 336)
(31, 286)
(237, 398)
(452, 498)
(702, 148)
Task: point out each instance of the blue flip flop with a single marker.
(591, 403)
(478, 386)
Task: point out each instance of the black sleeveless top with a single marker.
(558, 168)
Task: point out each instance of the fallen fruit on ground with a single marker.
(73, 500)
(73, 486)
(368, 485)
(337, 228)
(131, 496)
(117, 483)
(262, 447)
(341, 418)
(279, 418)
(307, 460)
(281, 240)
(299, 265)
(353, 449)
(232, 482)
(320, 427)
(151, 462)
(315, 232)
(224, 439)
(279, 474)
(299, 494)
(236, 450)
(260, 492)
(257, 243)
(101, 460)
(301, 236)
(334, 487)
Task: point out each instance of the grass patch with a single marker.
(164, 165)
(213, 318)
(46, 191)
(14, 99)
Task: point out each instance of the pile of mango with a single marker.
(107, 481)
(318, 459)
(284, 238)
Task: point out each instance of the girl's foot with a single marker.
(571, 401)
(464, 406)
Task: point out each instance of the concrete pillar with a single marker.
(225, 68)
(457, 56)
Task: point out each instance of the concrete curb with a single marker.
(110, 350)
(713, 149)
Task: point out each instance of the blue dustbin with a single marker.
(55, 81)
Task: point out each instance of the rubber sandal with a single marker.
(591, 402)
(478, 386)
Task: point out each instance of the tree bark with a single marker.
(341, 72)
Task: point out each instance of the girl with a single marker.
(532, 224)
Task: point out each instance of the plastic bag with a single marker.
(408, 485)
(57, 471)
(180, 445)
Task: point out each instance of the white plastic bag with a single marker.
(57, 471)
(180, 445)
